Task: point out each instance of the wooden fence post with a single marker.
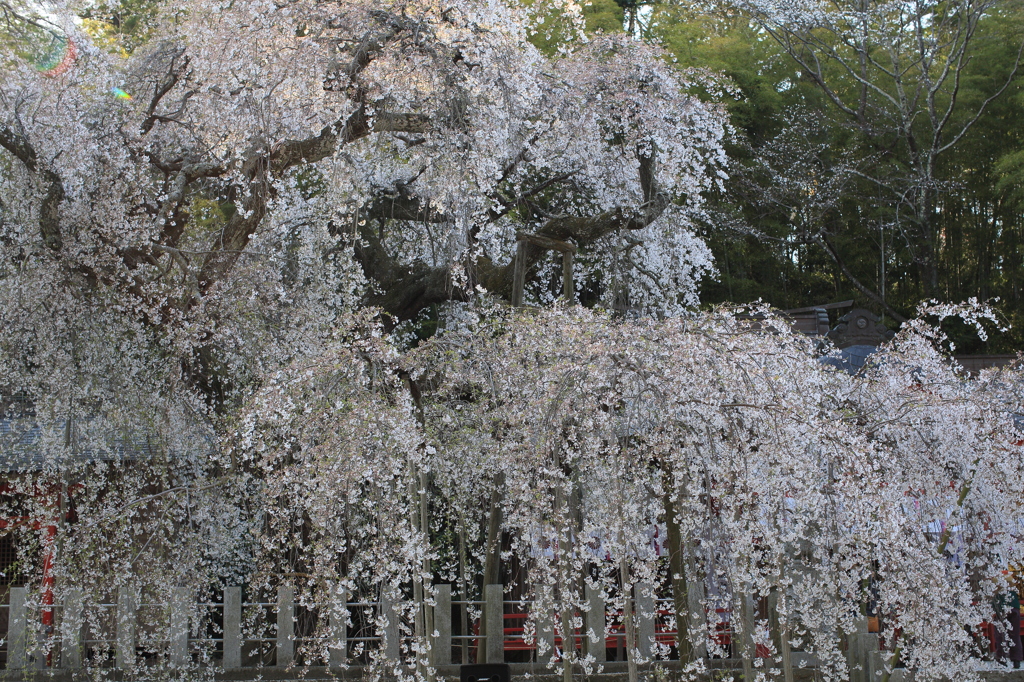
(545, 624)
(697, 621)
(519, 274)
(595, 625)
(495, 612)
(178, 634)
(125, 628)
(338, 647)
(646, 609)
(441, 650)
(232, 627)
(746, 622)
(779, 630)
(392, 642)
(17, 629)
(71, 630)
(567, 283)
(285, 625)
(860, 646)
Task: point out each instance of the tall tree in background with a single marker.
(981, 218)
(893, 75)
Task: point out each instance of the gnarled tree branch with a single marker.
(49, 208)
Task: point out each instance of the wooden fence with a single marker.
(173, 640)
(28, 646)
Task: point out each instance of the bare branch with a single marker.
(822, 241)
(175, 72)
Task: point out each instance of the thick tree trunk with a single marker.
(928, 256)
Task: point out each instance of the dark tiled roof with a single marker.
(850, 359)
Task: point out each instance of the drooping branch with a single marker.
(404, 290)
(407, 290)
(262, 168)
(403, 205)
(18, 146)
(584, 230)
(49, 217)
(579, 230)
(357, 126)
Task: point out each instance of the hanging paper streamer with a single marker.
(120, 94)
(58, 57)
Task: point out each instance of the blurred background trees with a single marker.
(886, 168)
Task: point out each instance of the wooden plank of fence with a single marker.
(392, 643)
(17, 629)
(545, 625)
(232, 627)
(338, 616)
(646, 611)
(495, 613)
(178, 634)
(595, 625)
(71, 630)
(285, 625)
(441, 649)
(125, 628)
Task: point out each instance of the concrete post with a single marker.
(71, 630)
(285, 625)
(125, 658)
(646, 612)
(876, 666)
(595, 625)
(441, 651)
(17, 630)
(495, 614)
(338, 615)
(232, 627)
(178, 634)
(567, 284)
(877, 662)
